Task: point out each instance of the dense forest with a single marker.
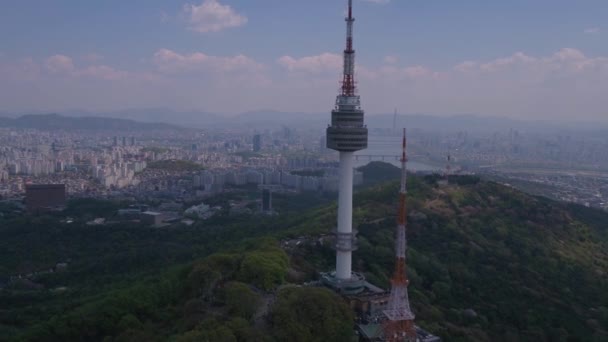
(486, 263)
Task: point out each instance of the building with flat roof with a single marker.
(45, 197)
(152, 218)
(257, 143)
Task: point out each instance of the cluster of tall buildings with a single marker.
(124, 141)
(3, 175)
(119, 174)
(35, 161)
(34, 167)
(28, 155)
(257, 143)
(110, 163)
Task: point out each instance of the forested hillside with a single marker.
(486, 262)
(490, 263)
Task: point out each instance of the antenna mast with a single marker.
(348, 81)
(399, 325)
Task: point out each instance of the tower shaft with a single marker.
(346, 134)
(344, 233)
(399, 325)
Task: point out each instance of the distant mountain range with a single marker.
(262, 119)
(57, 122)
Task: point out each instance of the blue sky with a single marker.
(518, 58)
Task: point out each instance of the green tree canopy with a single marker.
(264, 269)
(311, 314)
(240, 299)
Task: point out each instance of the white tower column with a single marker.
(347, 134)
(345, 217)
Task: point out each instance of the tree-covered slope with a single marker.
(486, 263)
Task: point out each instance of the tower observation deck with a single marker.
(346, 134)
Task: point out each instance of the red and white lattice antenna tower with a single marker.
(399, 324)
(348, 79)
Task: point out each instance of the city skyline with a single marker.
(520, 60)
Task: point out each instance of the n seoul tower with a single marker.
(347, 134)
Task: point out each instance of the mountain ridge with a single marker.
(55, 121)
(273, 118)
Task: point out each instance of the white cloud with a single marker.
(92, 57)
(566, 82)
(58, 82)
(331, 64)
(504, 62)
(169, 61)
(103, 72)
(417, 71)
(214, 73)
(560, 85)
(325, 62)
(164, 17)
(592, 30)
(466, 66)
(565, 59)
(24, 70)
(567, 54)
(64, 66)
(60, 64)
(391, 59)
(212, 16)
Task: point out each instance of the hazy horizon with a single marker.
(156, 115)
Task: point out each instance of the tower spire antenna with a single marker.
(348, 79)
(399, 325)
